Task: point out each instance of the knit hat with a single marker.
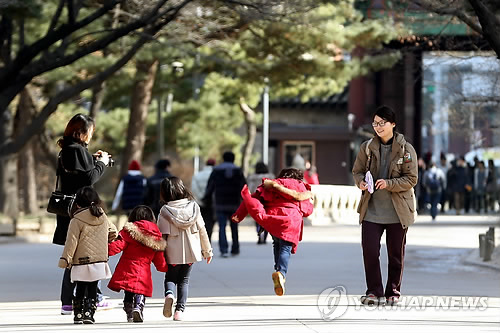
(210, 161)
(134, 165)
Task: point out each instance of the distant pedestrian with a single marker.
(420, 190)
(182, 225)
(443, 165)
(141, 242)
(131, 190)
(458, 182)
(152, 198)
(386, 205)
(311, 174)
(198, 187)
(279, 206)
(86, 252)
(491, 186)
(253, 181)
(226, 182)
(480, 176)
(433, 181)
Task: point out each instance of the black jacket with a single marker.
(226, 181)
(152, 198)
(76, 168)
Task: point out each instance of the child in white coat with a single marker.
(182, 226)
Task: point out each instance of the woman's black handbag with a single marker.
(60, 203)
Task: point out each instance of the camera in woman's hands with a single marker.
(102, 156)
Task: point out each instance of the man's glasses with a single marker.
(380, 123)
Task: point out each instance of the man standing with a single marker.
(198, 187)
(226, 181)
(152, 198)
(434, 181)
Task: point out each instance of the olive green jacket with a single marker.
(403, 176)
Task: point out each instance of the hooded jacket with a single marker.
(187, 239)
(142, 244)
(279, 206)
(87, 240)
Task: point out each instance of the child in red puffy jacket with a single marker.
(142, 244)
(279, 206)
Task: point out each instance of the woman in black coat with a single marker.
(76, 168)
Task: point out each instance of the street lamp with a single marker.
(265, 123)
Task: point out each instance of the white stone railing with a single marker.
(334, 204)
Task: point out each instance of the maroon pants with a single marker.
(395, 236)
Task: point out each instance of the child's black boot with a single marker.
(128, 307)
(90, 306)
(78, 310)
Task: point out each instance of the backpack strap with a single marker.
(369, 154)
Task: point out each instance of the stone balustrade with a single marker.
(334, 204)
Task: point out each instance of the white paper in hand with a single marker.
(369, 181)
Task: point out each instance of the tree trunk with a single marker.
(141, 98)
(97, 98)
(8, 172)
(489, 23)
(26, 160)
(249, 116)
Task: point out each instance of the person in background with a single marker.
(130, 191)
(142, 243)
(254, 180)
(198, 187)
(182, 225)
(491, 186)
(470, 195)
(77, 168)
(458, 182)
(450, 175)
(443, 165)
(480, 176)
(226, 182)
(86, 252)
(152, 198)
(433, 181)
(420, 190)
(311, 174)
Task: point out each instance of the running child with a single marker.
(279, 206)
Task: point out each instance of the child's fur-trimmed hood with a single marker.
(275, 185)
(141, 232)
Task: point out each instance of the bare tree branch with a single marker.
(27, 54)
(441, 9)
(55, 18)
(71, 12)
(35, 126)
(490, 24)
(6, 31)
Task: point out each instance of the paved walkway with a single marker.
(271, 314)
(292, 313)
